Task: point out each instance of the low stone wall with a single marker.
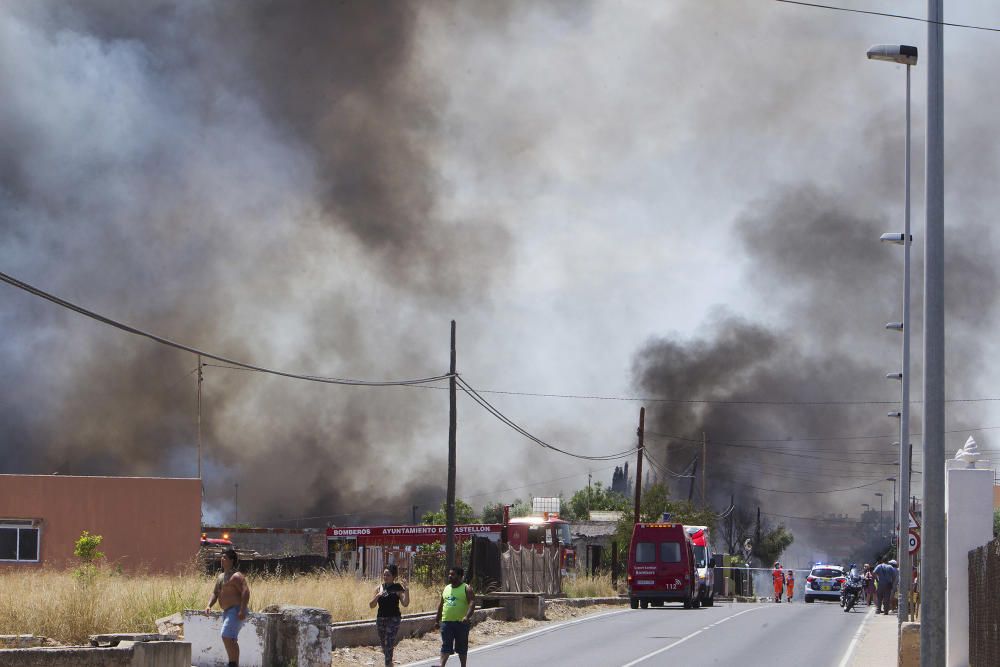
(348, 634)
(126, 654)
(587, 602)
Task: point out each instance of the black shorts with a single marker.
(454, 637)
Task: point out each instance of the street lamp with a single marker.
(881, 532)
(902, 54)
(894, 514)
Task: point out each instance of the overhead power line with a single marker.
(486, 405)
(849, 488)
(816, 5)
(10, 280)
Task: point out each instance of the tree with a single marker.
(772, 544)
(86, 548)
(595, 498)
(655, 502)
(463, 514)
(996, 523)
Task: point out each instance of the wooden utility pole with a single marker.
(704, 464)
(236, 503)
(452, 431)
(200, 378)
(638, 465)
(694, 476)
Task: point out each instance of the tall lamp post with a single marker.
(903, 55)
(881, 530)
(895, 514)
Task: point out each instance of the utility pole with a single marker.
(704, 464)
(588, 495)
(413, 512)
(638, 466)
(756, 532)
(452, 431)
(933, 603)
(236, 503)
(200, 379)
(694, 476)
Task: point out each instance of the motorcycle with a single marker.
(851, 591)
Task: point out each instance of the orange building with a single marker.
(148, 523)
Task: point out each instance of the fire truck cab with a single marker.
(539, 531)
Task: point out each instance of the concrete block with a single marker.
(114, 639)
(909, 645)
(172, 626)
(303, 637)
(203, 630)
(514, 608)
(126, 654)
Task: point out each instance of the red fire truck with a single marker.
(346, 547)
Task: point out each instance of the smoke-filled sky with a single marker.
(675, 200)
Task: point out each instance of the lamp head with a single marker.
(894, 53)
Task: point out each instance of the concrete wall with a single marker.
(203, 630)
(969, 507)
(274, 541)
(282, 635)
(147, 523)
(126, 654)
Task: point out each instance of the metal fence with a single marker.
(984, 605)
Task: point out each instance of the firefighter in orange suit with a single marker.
(779, 581)
(790, 584)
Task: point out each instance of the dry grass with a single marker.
(56, 604)
(589, 587)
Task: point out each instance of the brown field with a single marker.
(66, 608)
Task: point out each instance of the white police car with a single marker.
(825, 581)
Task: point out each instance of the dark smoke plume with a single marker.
(229, 174)
(827, 288)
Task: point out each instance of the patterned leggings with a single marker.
(388, 627)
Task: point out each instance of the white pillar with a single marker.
(969, 509)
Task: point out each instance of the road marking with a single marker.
(692, 635)
(525, 635)
(857, 636)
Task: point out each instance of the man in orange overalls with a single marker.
(790, 584)
(778, 576)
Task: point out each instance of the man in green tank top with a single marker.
(453, 614)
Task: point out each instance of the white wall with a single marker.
(204, 632)
(969, 508)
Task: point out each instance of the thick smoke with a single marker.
(813, 257)
(230, 175)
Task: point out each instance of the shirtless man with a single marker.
(232, 592)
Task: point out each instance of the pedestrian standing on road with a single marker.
(232, 592)
(388, 596)
(453, 615)
(778, 578)
(790, 583)
(894, 593)
(885, 578)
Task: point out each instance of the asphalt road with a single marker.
(765, 634)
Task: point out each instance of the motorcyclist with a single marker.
(853, 585)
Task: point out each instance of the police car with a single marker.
(824, 581)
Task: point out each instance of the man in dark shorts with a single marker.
(453, 614)
(233, 594)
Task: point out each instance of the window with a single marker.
(645, 552)
(19, 540)
(670, 552)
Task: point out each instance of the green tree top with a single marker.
(463, 514)
(86, 548)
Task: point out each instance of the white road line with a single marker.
(857, 636)
(525, 635)
(693, 634)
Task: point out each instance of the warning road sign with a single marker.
(914, 545)
(913, 522)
